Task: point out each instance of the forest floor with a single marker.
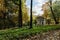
(48, 32)
(50, 35)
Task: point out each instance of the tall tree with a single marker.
(46, 9)
(31, 14)
(56, 9)
(20, 13)
(54, 17)
(2, 10)
(11, 8)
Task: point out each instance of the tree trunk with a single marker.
(20, 14)
(31, 14)
(4, 18)
(56, 22)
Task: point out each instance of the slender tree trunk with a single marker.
(20, 14)
(4, 18)
(56, 22)
(31, 14)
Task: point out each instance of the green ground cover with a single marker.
(13, 34)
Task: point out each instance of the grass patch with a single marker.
(25, 32)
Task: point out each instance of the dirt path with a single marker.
(51, 35)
